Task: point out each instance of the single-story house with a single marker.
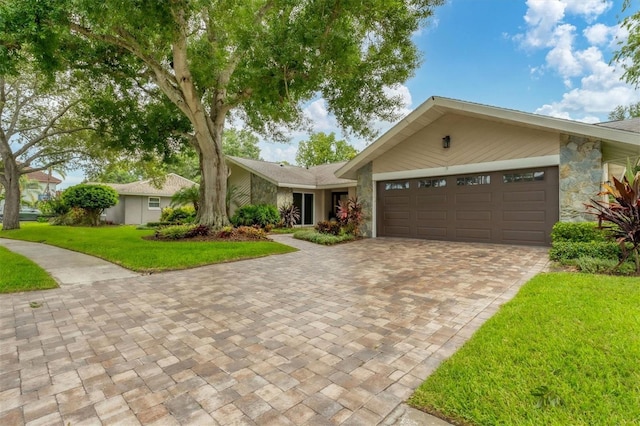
(142, 202)
(315, 190)
(461, 171)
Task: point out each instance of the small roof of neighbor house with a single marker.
(619, 141)
(171, 185)
(285, 175)
(43, 177)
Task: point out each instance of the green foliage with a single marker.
(327, 227)
(73, 217)
(323, 149)
(582, 232)
(188, 195)
(567, 252)
(289, 215)
(17, 273)
(573, 334)
(185, 214)
(173, 232)
(91, 198)
(54, 206)
(629, 53)
(261, 61)
(598, 265)
(261, 215)
(240, 143)
(321, 238)
(625, 112)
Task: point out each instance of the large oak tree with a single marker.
(260, 60)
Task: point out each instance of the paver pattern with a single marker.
(326, 335)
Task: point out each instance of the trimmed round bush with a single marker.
(93, 199)
(262, 215)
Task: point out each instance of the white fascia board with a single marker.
(490, 166)
(338, 185)
(296, 186)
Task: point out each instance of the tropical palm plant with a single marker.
(186, 196)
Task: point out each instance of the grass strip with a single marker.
(17, 273)
(564, 351)
(124, 245)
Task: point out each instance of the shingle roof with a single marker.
(287, 175)
(171, 185)
(630, 125)
(41, 176)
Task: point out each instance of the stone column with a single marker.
(580, 176)
(364, 191)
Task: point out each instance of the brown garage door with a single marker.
(507, 207)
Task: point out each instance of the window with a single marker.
(474, 180)
(523, 177)
(432, 183)
(154, 203)
(396, 185)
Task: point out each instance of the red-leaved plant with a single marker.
(620, 215)
(350, 215)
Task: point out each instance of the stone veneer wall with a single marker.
(284, 197)
(364, 191)
(580, 176)
(263, 191)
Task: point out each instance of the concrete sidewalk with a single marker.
(68, 267)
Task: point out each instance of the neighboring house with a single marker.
(314, 190)
(41, 186)
(460, 171)
(141, 202)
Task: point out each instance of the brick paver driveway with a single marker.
(336, 335)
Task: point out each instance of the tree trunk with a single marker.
(213, 185)
(11, 183)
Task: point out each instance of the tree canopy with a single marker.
(622, 112)
(323, 149)
(259, 61)
(629, 53)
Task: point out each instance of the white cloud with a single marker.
(401, 91)
(599, 88)
(598, 34)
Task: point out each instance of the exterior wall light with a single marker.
(446, 141)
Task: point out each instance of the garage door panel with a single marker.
(431, 199)
(473, 234)
(519, 236)
(432, 215)
(432, 232)
(472, 198)
(519, 196)
(524, 216)
(512, 207)
(473, 215)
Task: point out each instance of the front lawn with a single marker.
(124, 246)
(17, 273)
(564, 351)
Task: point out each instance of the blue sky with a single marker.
(547, 57)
